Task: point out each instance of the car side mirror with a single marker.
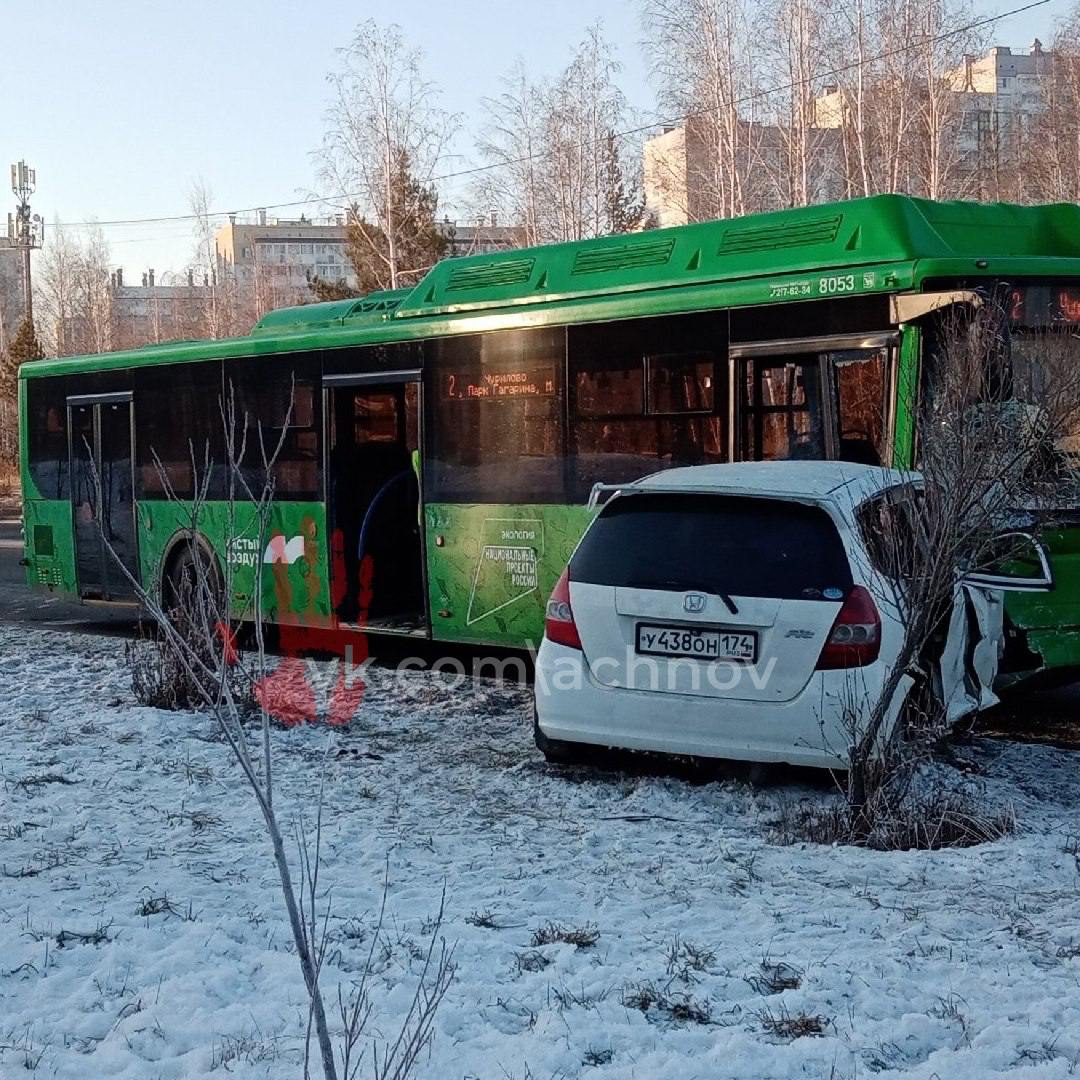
(1019, 563)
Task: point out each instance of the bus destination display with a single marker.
(1044, 304)
(537, 380)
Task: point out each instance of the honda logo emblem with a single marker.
(694, 602)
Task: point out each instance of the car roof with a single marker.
(804, 481)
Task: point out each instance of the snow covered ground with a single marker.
(955, 964)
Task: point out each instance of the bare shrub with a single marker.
(686, 960)
(596, 1056)
(98, 936)
(9, 483)
(584, 937)
(775, 978)
(897, 821)
(161, 905)
(36, 780)
(786, 1025)
(9, 446)
(680, 1008)
(199, 820)
(159, 678)
(482, 919)
(242, 1049)
(532, 960)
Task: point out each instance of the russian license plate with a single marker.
(699, 644)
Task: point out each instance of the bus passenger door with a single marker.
(859, 383)
(374, 497)
(103, 510)
(779, 405)
(812, 399)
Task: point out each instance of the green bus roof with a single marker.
(896, 239)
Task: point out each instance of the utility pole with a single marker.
(25, 231)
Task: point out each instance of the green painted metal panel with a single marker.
(375, 307)
(50, 544)
(491, 568)
(28, 487)
(1052, 619)
(881, 229)
(293, 555)
(907, 382)
(1058, 648)
(295, 579)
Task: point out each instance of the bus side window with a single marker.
(179, 430)
(859, 376)
(646, 394)
(495, 402)
(265, 389)
(48, 442)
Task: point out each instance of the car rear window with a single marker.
(715, 543)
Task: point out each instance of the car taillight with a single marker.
(855, 638)
(559, 623)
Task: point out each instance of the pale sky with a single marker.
(121, 104)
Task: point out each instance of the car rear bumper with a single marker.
(808, 730)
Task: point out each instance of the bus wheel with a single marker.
(557, 752)
(180, 587)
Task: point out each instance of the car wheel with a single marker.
(556, 751)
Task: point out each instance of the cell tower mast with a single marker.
(26, 231)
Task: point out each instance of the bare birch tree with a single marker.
(895, 100)
(74, 298)
(384, 118)
(197, 623)
(562, 169)
(1053, 161)
(512, 139)
(706, 60)
(216, 321)
(944, 44)
(794, 40)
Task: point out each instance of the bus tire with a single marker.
(557, 751)
(188, 561)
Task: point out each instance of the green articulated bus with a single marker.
(452, 431)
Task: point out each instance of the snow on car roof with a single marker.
(811, 479)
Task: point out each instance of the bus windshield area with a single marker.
(1044, 325)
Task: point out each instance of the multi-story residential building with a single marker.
(173, 309)
(482, 238)
(274, 260)
(994, 100)
(685, 180)
(122, 316)
(1000, 94)
(666, 174)
(994, 90)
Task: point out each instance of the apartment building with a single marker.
(276, 258)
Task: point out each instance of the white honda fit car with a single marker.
(729, 611)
